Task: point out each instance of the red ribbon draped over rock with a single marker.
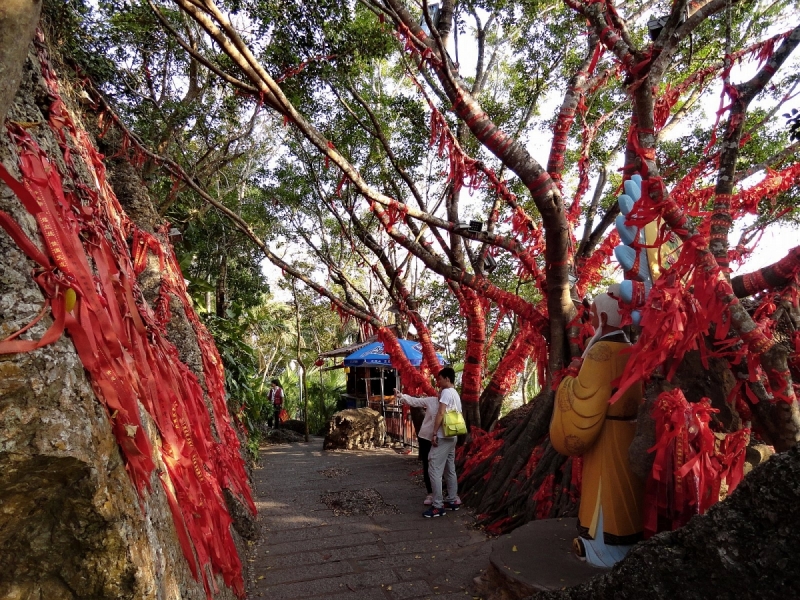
(122, 342)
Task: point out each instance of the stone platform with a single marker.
(534, 558)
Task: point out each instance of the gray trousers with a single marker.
(442, 461)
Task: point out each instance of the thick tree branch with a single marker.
(566, 115)
(773, 356)
(590, 214)
(741, 96)
(236, 83)
(772, 277)
(668, 43)
(514, 156)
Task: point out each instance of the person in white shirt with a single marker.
(442, 457)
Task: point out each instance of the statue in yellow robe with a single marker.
(585, 424)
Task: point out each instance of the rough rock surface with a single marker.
(133, 197)
(355, 428)
(294, 425)
(281, 436)
(71, 524)
(128, 188)
(744, 547)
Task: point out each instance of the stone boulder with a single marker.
(355, 428)
(72, 525)
(295, 425)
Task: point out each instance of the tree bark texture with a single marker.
(513, 475)
(73, 525)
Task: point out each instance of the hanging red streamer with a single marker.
(413, 381)
(690, 462)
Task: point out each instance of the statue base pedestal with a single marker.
(534, 558)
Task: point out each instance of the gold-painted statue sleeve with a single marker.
(581, 404)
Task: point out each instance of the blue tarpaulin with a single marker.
(373, 355)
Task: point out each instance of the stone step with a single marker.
(533, 558)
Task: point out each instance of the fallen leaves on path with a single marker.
(334, 472)
(357, 502)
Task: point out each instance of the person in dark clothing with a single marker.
(425, 435)
(276, 400)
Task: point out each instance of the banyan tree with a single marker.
(720, 350)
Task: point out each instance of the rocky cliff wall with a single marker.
(72, 522)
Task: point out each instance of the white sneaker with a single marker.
(428, 500)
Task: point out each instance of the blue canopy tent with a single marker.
(373, 355)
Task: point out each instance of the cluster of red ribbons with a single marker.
(745, 202)
(773, 184)
(528, 343)
(533, 461)
(430, 363)
(482, 448)
(591, 270)
(496, 528)
(465, 170)
(413, 381)
(122, 343)
(544, 497)
(690, 463)
(675, 321)
(576, 478)
(580, 328)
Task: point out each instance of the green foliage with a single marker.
(79, 36)
(324, 388)
(242, 381)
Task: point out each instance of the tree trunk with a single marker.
(512, 475)
(302, 379)
(491, 403)
(304, 387)
(222, 286)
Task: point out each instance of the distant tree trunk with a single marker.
(304, 392)
(302, 379)
(222, 286)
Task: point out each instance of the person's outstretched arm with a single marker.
(413, 400)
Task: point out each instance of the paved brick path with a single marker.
(306, 551)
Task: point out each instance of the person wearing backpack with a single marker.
(442, 458)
